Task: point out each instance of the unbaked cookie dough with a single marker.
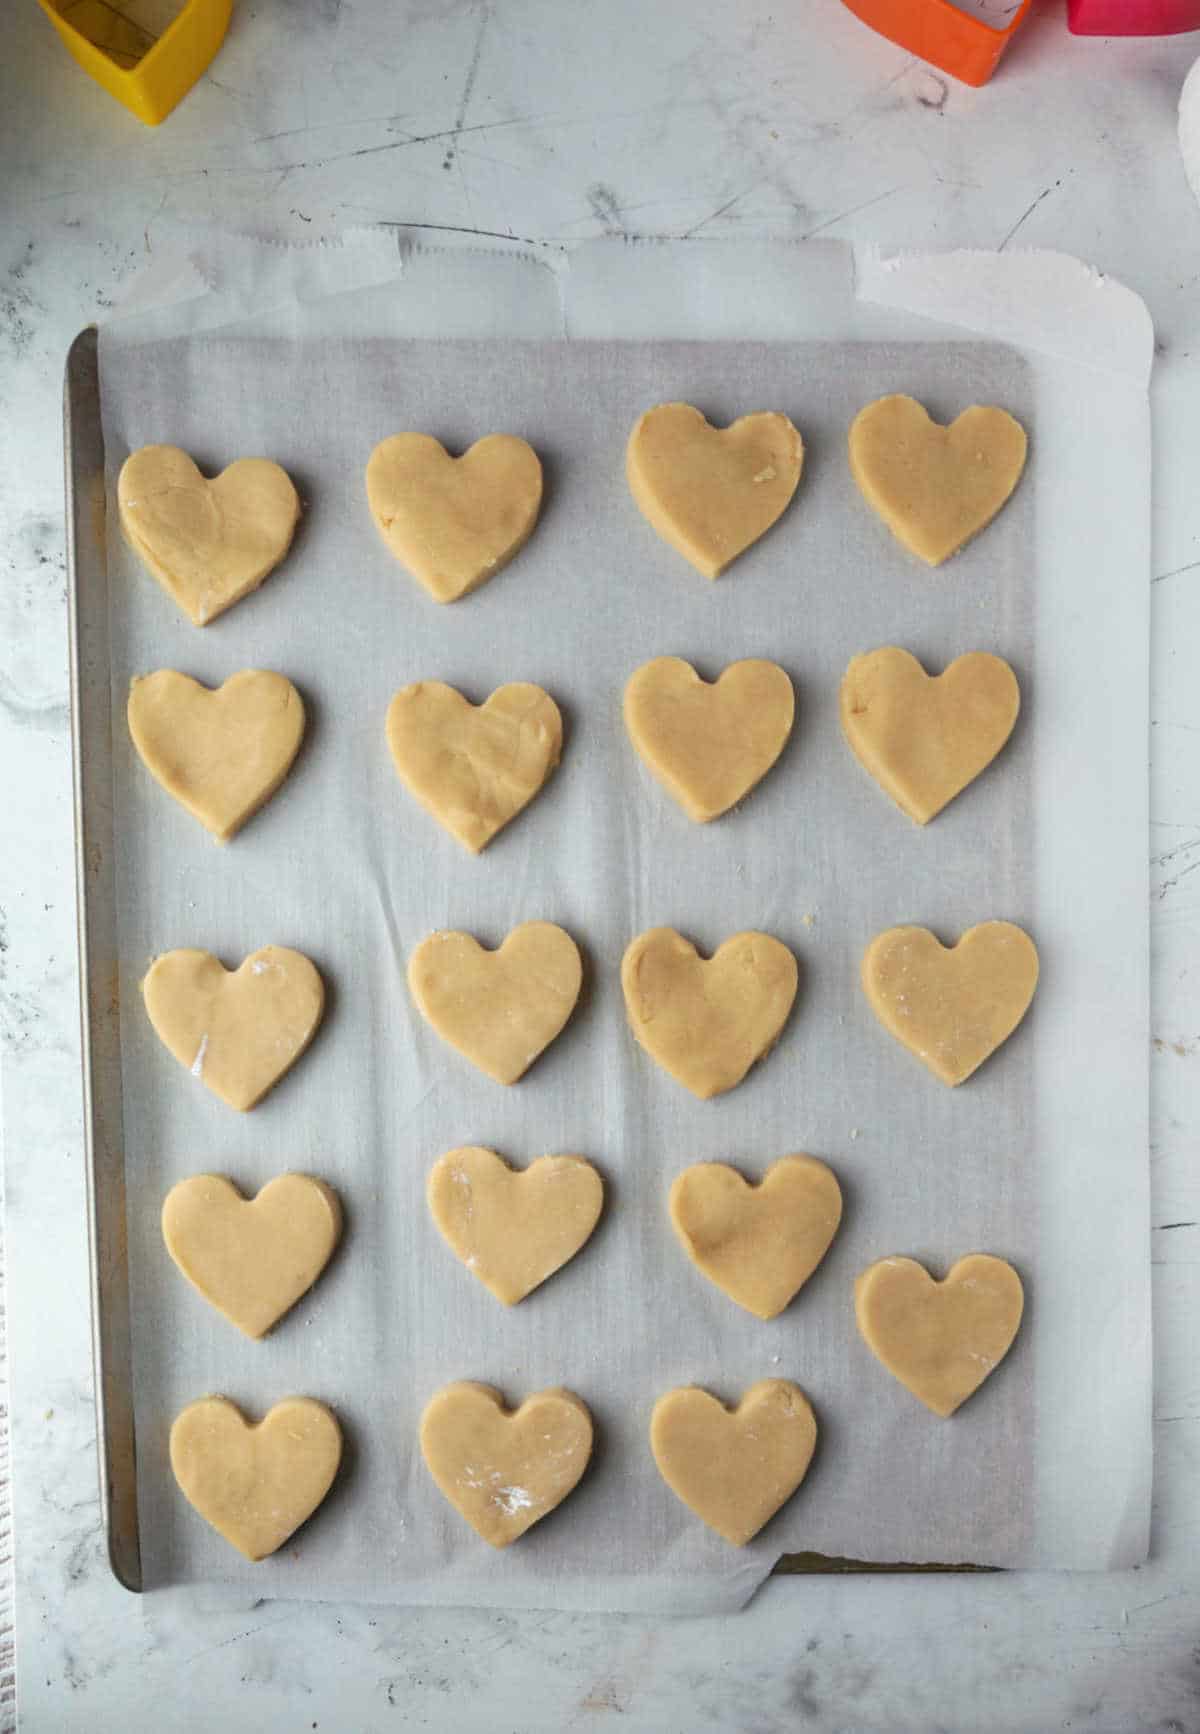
(500, 1008)
(940, 1339)
(758, 1243)
(255, 1484)
(251, 1258)
(505, 1469)
(708, 491)
(734, 1467)
(513, 1228)
(239, 1030)
(953, 1005)
(209, 543)
(709, 743)
(935, 487)
(707, 1020)
(454, 522)
(473, 767)
(223, 752)
(925, 737)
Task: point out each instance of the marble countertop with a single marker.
(475, 121)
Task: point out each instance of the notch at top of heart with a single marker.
(711, 492)
(453, 522)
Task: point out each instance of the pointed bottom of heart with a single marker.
(255, 1484)
(734, 1467)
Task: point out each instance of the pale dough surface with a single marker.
(454, 522)
(925, 737)
(251, 1258)
(513, 1228)
(734, 1467)
(239, 1030)
(209, 543)
(709, 743)
(707, 1020)
(255, 1484)
(951, 1006)
(940, 1339)
(935, 487)
(503, 1469)
(758, 1243)
(500, 1008)
(473, 767)
(223, 752)
(711, 492)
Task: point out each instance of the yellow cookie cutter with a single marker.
(149, 74)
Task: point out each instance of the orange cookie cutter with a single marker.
(956, 42)
(148, 74)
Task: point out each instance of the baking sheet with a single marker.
(343, 865)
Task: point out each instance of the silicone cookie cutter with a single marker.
(935, 30)
(1132, 17)
(146, 72)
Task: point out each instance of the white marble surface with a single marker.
(552, 123)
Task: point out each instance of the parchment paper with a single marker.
(343, 865)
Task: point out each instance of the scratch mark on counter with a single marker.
(1176, 572)
(1027, 213)
(1162, 1227)
(468, 89)
(719, 212)
(853, 211)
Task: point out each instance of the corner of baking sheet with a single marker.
(1042, 300)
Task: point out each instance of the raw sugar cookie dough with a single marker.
(501, 1008)
(505, 1469)
(935, 487)
(255, 1484)
(238, 1030)
(454, 522)
(706, 1021)
(925, 737)
(208, 542)
(473, 767)
(711, 492)
(758, 1243)
(513, 1228)
(252, 1258)
(734, 1467)
(940, 1339)
(952, 1006)
(223, 752)
(709, 743)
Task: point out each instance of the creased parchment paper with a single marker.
(1034, 1159)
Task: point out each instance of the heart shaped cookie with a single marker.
(712, 491)
(951, 1006)
(707, 1020)
(734, 1467)
(504, 1469)
(255, 1484)
(512, 1229)
(758, 1244)
(209, 543)
(925, 737)
(935, 487)
(454, 522)
(940, 1339)
(251, 1258)
(499, 1008)
(708, 744)
(220, 753)
(474, 767)
(239, 1030)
